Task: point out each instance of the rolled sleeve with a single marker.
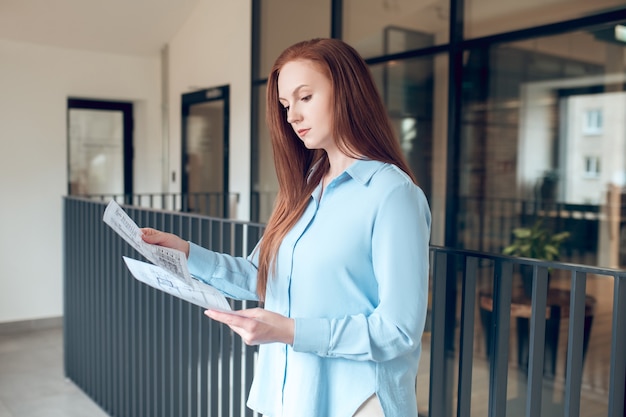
(311, 335)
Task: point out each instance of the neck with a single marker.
(338, 163)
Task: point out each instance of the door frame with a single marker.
(126, 108)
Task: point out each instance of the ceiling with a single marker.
(130, 27)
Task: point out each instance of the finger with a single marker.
(150, 235)
(252, 313)
(225, 317)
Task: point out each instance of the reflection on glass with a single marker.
(544, 137)
(486, 17)
(96, 153)
(265, 183)
(415, 95)
(205, 156)
(407, 89)
(378, 28)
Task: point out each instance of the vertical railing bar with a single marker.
(617, 378)
(436, 396)
(574, 362)
(77, 360)
(101, 259)
(225, 355)
(214, 367)
(203, 387)
(80, 290)
(68, 296)
(123, 326)
(498, 372)
(137, 350)
(466, 349)
(105, 288)
(114, 342)
(249, 370)
(85, 300)
(144, 354)
(236, 373)
(537, 341)
(178, 354)
(152, 359)
(191, 397)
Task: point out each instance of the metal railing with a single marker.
(139, 352)
(213, 204)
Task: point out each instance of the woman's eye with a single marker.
(306, 98)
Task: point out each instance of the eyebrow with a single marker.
(295, 91)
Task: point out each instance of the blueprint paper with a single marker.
(197, 293)
(168, 271)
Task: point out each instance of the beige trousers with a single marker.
(370, 408)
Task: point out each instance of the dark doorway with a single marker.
(205, 126)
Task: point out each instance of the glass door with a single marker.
(205, 151)
(100, 147)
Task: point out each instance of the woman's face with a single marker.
(306, 95)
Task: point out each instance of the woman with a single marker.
(342, 268)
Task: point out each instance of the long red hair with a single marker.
(361, 129)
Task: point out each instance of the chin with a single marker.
(310, 145)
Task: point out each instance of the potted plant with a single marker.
(535, 242)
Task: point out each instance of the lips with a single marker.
(302, 132)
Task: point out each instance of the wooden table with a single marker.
(557, 308)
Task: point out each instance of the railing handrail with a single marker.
(569, 266)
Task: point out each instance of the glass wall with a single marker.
(524, 126)
(510, 157)
(543, 137)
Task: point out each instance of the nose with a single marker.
(292, 115)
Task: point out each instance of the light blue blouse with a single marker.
(353, 273)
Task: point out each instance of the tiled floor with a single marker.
(32, 383)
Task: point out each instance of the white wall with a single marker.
(35, 82)
(213, 49)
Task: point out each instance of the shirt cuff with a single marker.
(201, 263)
(311, 335)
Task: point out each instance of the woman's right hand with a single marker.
(169, 240)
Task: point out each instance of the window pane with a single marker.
(543, 137)
(415, 94)
(486, 17)
(96, 153)
(285, 22)
(378, 28)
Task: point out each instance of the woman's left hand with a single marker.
(257, 326)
